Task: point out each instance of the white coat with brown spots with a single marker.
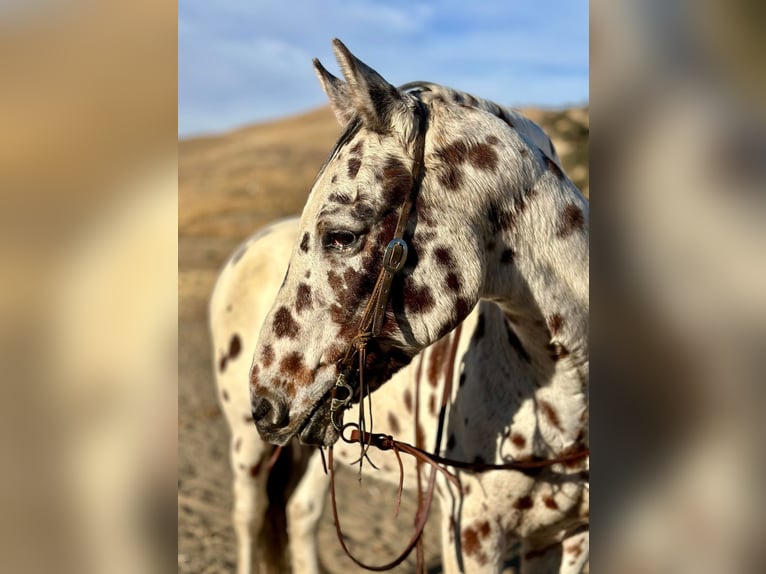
(487, 355)
(495, 218)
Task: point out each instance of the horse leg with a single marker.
(569, 556)
(304, 509)
(576, 553)
(250, 499)
(471, 544)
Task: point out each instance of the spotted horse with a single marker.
(483, 351)
(493, 217)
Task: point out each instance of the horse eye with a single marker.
(341, 240)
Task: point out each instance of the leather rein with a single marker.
(370, 326)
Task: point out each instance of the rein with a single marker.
(370, 326)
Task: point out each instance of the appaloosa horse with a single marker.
(489, 214)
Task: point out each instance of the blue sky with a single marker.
(245, 61)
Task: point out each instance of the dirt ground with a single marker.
(229, 186)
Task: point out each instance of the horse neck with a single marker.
(536, 270)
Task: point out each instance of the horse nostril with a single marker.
(261, 409)
(270, 415)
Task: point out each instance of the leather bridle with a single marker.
(374, 313)
(370, 326)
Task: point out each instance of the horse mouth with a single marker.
(317, 429)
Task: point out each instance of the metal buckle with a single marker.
(340, 404)
(391, 265)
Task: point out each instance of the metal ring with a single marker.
(391, 265)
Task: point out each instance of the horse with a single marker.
(236, 313)
(484, 213)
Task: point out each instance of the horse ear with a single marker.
(338, 93)
(375, 100)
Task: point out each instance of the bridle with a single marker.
(374, 313)
(370, 326)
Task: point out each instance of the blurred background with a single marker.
(90, 240)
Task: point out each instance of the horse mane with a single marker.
(429, 92)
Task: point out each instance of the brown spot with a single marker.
(574, 549)
(235, 346)
(550, 502)
(453, 282)
(418, 299)
(334, 179)
(255, 469)
(305, 242)
(408, 400)
(451, 442)
(571, 220)
(303, 298)
(335, 281)
(467, 488)
(493, 140)
(358, 146)
(437, 360)
(307, 275)
(248, 419)
(420, 436)
(506, 256)
(254, 375)
(451, 156)
(397, 182)
(292, 363)
(472, 546)
(551, 415)
(444, 258)
(393, 423)
(237, 444)
(554, 168)
(470, 539)
(484, 529)
(523, 503)
(225, 395)
(555, 322)
(432, 404)
(353, 166)
(483, 156)
(524, 151)
(222, 363)
(267, 356)
(284, 324)
(518, 440)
